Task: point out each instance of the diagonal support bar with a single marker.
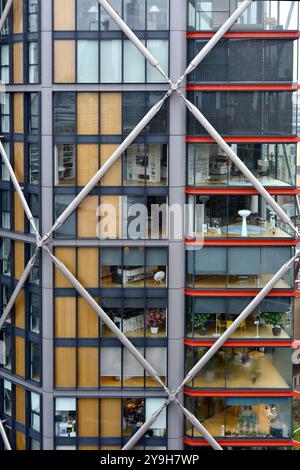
(4, 437)
(238, 163)
(133, 38)
(216, 38)
(18, 289)
(5, 13)
(108, 164)
(18, 189)
(105, 318)
(242, 317)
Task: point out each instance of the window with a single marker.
(4, 74)
(87, 15)
(136, 105)
(111, 61)
(6, 256)
(64, 113)
(35, 361)
(160, 49)
(5, 28)
(134, 64)
(7, 403)
(65, 417)
(65, 165)
(107, 23)
(88, 61)
(34, 204)
(33, 18)
(5, 113)
(5, 210)
(34, 309)
(34, 275)
(5, 175)
(157, 15)
(7, 338)
(146, 165)
(134, 14)
(68, 229)
(34, 163)
(35, 411)
(34, 113)
(33, 62)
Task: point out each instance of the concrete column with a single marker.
(46, 222)
(176, 311)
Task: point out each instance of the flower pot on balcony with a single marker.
(203, 331)
(154, 330)
(276, 330)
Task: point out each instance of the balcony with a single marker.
(264, 418)
(242, 368)
(274, 165)
(235, 216)
(271, 320)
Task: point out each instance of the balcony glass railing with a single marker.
(274, 15)
(242, 368)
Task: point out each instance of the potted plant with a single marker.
(275, 319)
(155, 318)
(200, 321)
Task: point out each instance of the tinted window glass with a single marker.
(64, 113)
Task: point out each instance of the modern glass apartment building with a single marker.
(74, 88)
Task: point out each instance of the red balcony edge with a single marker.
(238, 242)
(245, 139)
(241, 393)
(240, 343)
(244, 443)
(246, 34)
(244, 87)
(239, 191)
(238, 293)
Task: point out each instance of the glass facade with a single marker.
(260, 16)
(74, 88)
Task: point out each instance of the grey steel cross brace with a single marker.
(42, 242)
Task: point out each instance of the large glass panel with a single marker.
(87, 15)
(65, 417)
(87, 61)
(133, 274)
(272, 164)
(246, 60)
(134, 64)
(35, 361)
(34, 313)
(160, 50)
(7, 402)
(68, 229)
(134, 14)
(157, 15)
(4, 52)
(65, 173)
(214, 68)
(156, 267)
(33, 16)
(34, 113)
(278, 117)
(64, 113)
(111, 267)
(33, 61)
(35, 411)
(133, 372)
(246, 123)
(133, 415)
(133, 110)
(111, 366)
(111, 61)
(107, 23)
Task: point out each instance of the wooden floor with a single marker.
(214, 424)
(240, 377)
(107, 282)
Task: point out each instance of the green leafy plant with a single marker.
(200, 320)
(275, 319)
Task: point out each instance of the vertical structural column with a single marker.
(176, 311)
(46, 222)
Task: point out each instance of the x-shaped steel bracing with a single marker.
(42, 242)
